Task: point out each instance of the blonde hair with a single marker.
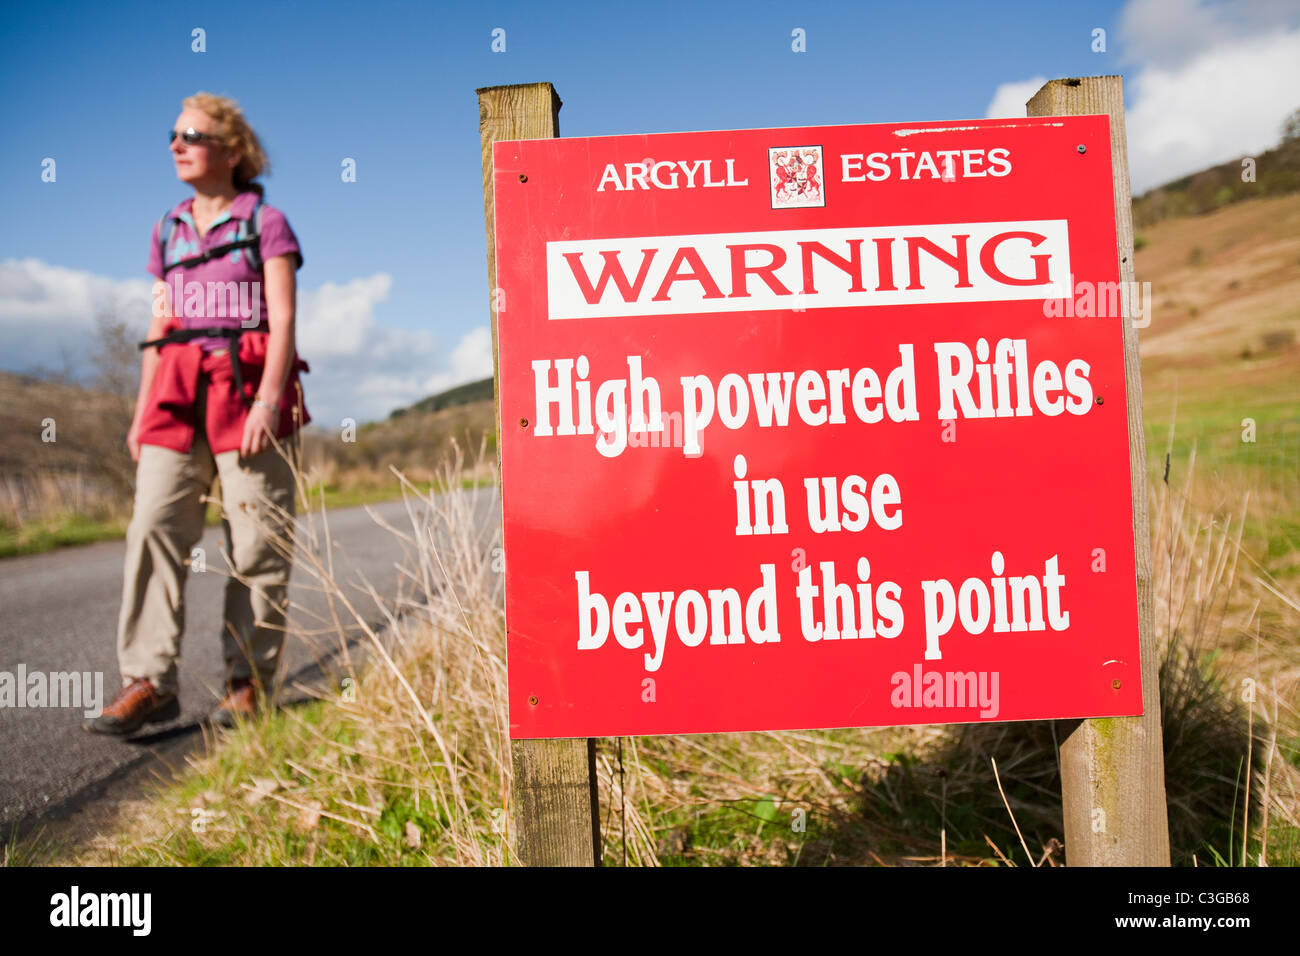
(235, 134)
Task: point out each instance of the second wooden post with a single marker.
(1113, 769)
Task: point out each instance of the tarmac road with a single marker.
(58, 613)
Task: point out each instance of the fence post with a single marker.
(554, 798)
(1113, 770)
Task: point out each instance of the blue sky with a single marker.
(395, 277)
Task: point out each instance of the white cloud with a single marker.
(1009, 99)
(471, 360)
(47, 314)
(1168, 34)
(1206, 83)
(339, 320)
(363, 369)
(360, 368)
(1222, 104)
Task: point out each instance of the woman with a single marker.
(218, 379)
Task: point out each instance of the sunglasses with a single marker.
(192, 137)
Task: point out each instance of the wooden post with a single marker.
(554, 799)
(1113, 769)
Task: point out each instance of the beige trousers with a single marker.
(257, 497)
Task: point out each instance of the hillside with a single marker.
(415, 442)
(1226, 285)
(63, 460)
(1276, 173)
(1221, 398)
(460, 395)
(78, 436)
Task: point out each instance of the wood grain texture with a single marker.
(556, 816)
(556, 809)
(1116, 765)
(521, 111)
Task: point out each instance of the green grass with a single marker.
(1208, 420)
(58, 531)
(228, 829)
(1283, 846)
(68, 529)
(1215, 429)
(726, 833)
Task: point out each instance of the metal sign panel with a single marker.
(814, 427)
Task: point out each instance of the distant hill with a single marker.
(1277, 171)
(1224, 289)
(58, 426)
(414, 441)
(64, 452)
(460, 395)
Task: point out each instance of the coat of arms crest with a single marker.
(796, 176)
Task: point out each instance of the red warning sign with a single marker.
(814, 427)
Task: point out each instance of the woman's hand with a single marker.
(133, 440)
(262, 421)
(259, 426)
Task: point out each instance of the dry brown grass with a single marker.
(419, 444)
(1221, 283)
(63, 451)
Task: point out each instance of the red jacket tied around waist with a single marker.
(171, 416)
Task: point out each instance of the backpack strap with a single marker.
(254, 248)
(183, 336)
(165, 226)
(250, 242)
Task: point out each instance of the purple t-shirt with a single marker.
(225, 292)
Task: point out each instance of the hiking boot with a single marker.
(136, 704)
(240, 701)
